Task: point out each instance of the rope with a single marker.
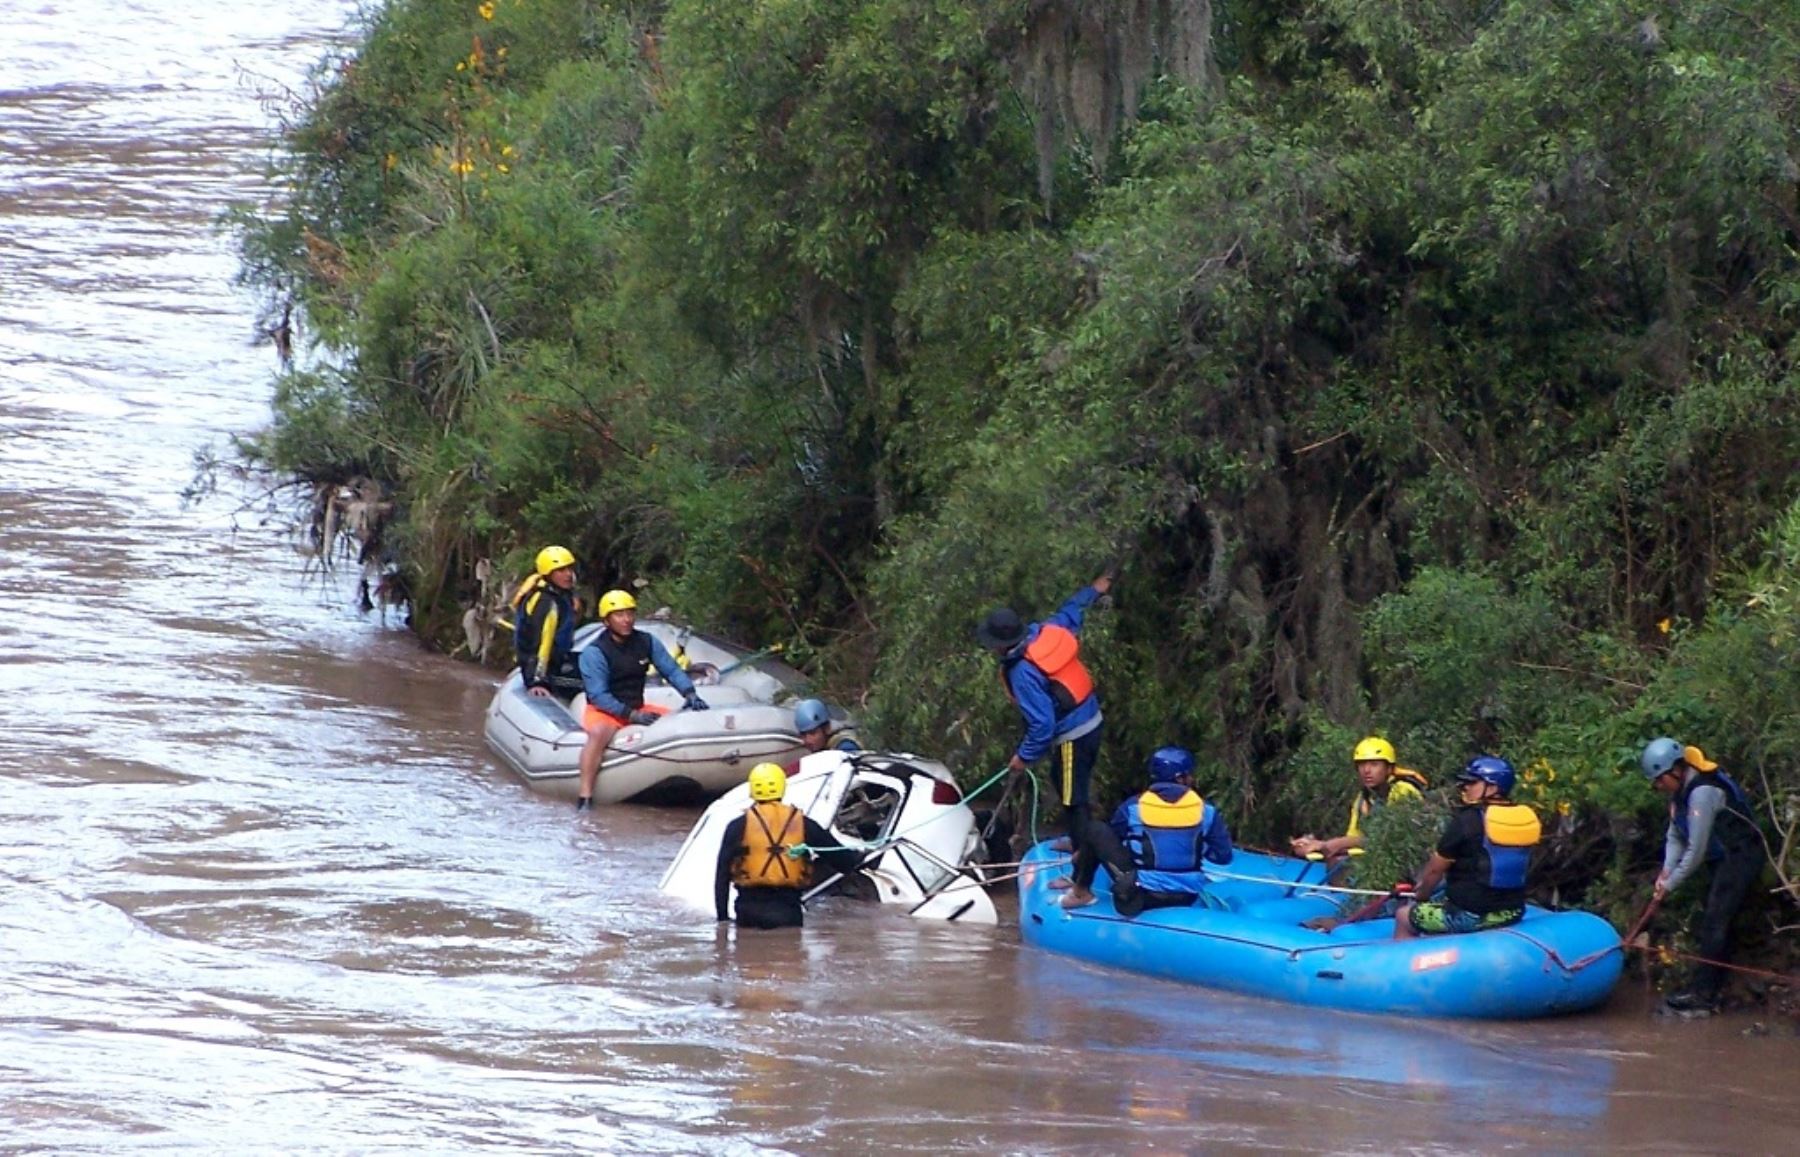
(1779, 977)
(1005, 876)
(1299, 884)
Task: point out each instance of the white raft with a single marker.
(909, 808)
(683, 758)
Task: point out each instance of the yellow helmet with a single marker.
(616, 601)
(553, 558)
(767, 782)
(1374, 747)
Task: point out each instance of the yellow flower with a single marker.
(486, 10)
(1563, 808)
(503, 167)
(1664, 625)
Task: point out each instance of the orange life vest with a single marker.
(770, 829)
(1057, 653)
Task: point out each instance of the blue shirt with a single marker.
(596, 677)
(1031, 687)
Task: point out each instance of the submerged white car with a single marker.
(926, 842)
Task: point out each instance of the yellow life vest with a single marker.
(1404, 786)
(1157, 812)
(1509, 831)
(770, 829)
(1511, 825)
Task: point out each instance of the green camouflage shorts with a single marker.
(1435, 917)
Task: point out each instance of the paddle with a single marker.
(1643, 920)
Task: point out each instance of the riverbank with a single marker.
(1405, 406)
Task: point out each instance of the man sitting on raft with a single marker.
(1382, 781)
(1483, 857)
(614, 669)
(1156, 845)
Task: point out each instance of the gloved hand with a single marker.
(643, 718)
(695, 703)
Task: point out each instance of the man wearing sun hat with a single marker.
(1710, 821)
(1042, 673)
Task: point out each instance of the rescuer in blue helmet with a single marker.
(1157, 845)
(812, 723)
(1483, 858)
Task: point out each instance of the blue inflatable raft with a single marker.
(1547, 964)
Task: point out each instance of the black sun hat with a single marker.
(1001, 628)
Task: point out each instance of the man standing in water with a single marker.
(1042, 673)
(614, 669)
(1711, 822)
(812, 723)
(767, 853)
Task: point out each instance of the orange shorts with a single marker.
(592, 717)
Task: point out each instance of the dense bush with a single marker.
(1426, 368)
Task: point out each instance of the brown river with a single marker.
(262, 889)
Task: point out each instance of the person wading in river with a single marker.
(614, 669)
(1710, 822)
(812, 723)
(545, 609)
(767, 853)
(1042, 673)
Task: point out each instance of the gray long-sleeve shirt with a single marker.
(1683, 856)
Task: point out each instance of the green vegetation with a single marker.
(1428, 367)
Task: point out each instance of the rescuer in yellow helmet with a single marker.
(545, 609)
(768, 853)
(1383, 781)
(614, 670)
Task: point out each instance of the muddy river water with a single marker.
(261, 888)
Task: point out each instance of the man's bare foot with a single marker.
(1321, 923)
(1078, 898)
(1061, 884)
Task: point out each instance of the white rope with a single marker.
(1296, 884)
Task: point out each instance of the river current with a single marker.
(262, 889)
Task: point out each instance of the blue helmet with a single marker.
(810, 713)
(1490, 769)
(1660, 757)
(1169, 763)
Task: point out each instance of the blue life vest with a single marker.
(1509, 831)
(1167, 838)
(1736, 802)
